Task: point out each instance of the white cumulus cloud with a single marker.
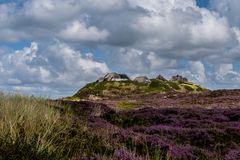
(226, 74)
(133, 36)
(197, 71)
(80, 32)
(55, 66)
(229, 9)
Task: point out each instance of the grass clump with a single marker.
(174, 85)
(188, 88)
(126, 105)
(158, 85)
(30, 128)
(73, 98)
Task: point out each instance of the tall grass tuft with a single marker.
(30, 128)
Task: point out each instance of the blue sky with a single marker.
(202, 3)
(49, 52)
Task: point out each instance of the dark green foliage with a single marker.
(159, 86)
(154, 84)
(199, 89)
(174, 85)
(188, 88)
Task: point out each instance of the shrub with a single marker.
(174, 85)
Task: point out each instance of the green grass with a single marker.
(128, 88)
(188, 88)
(175, 85)
(126, 105)
(31, 129)
(35, 128)
(158, 86)
(72, 98)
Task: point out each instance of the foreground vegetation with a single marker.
(165, 133)
(35, 128)
(39, 129)
(30, 128)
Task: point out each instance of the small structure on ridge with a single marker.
(114, 77)
(142, 79)
(179, 78)
(160, 77)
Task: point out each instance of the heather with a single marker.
(36, 128)
(168, 133)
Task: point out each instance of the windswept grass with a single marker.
(38, 129)
(30, 128)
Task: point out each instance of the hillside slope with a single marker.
(107, 89)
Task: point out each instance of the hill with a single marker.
(170, 126)
(140, 86)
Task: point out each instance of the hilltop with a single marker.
(170, 125)
(114, 85)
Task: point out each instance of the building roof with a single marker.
(160, 77)
(115, 76)
(142, 79)
(179, 78)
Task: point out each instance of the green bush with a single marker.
(154, 84)
(174, 85)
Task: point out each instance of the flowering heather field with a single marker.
(184, 133)
(209, 99)
(132, 129)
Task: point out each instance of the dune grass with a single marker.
(30, 128)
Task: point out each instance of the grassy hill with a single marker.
(127, 88)
(36, 128)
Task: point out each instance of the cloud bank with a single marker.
(74, 42)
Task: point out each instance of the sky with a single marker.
(52, 48)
